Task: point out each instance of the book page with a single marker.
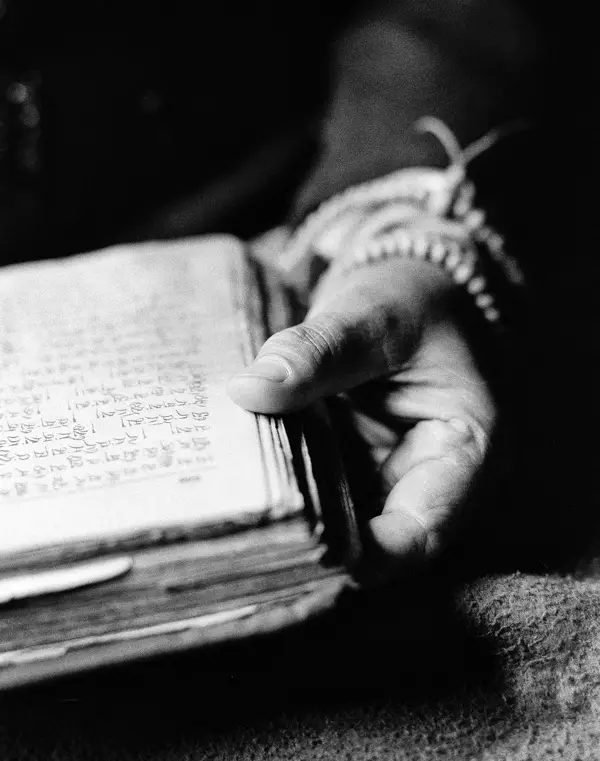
(114, 419)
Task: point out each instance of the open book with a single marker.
(141, 510)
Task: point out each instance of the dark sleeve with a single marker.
(475, 65)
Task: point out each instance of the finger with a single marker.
(364, 329)
(444, 382)
(430, 475)
(357, 338)
(430, 472)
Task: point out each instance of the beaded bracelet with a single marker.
(422, 212)
(459, 261)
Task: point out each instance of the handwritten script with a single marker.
(113, 411)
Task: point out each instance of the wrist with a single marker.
(423, 291)
(421, 213)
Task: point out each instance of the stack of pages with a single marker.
(141, 510)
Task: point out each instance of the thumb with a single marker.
(359, 334)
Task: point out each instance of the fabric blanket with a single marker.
(505, 667)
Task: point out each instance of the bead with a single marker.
(18, 93)
(475, 219)
(373, 250)
(360, 255)
(495, 242)
(476, 285)
(420, 247)
(463, 273)
(403, 242)
(491, 314)
(454, 258)
(448, 230)
(438, 252)
(484, 300)
(388, 246)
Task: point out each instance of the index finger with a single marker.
(432, 472)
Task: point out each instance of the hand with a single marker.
(386, 336)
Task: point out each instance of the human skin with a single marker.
(387, 337)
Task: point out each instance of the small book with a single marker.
(141, 510)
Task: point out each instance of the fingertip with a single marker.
(256, 394)
(398, 538)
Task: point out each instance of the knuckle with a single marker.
(475, 441)
(309, 344)
(427, 539)
(420, 540)
(459, 442)
(372, 334)
(391, 330)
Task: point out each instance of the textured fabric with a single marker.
(503, 668)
